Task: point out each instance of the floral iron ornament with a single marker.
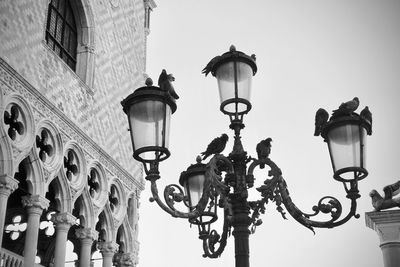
(224, 182)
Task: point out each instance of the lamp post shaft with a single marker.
(241, 232)
(240, 207)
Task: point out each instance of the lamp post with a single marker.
(223, 182)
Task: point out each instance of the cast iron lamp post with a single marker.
(225, 180)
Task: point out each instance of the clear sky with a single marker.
(310, 54)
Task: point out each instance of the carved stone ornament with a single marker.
(63, 218)
(108, 247)
(387, 201)
(86, 233)
(123, 260)
(7, 184)
(35, 201)
(14, 83)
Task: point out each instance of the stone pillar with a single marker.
(87, 236)
(34, 206)
(7, 186)
(107, 249)
(387, 226)
(62, 221)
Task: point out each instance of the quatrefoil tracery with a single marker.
(13, 120)
(71, 165)
(93, 183)
(113, 199)
(44, 145)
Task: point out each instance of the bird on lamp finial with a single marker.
(366, 114)
(321, 118)
(216, 146)
(207, 69)
(347, 108)
(165, 82)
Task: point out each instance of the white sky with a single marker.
(310, 54)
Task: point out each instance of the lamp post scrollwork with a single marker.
(224, 182)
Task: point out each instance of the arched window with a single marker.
(61, 31)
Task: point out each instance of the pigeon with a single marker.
(216, 146)
(366, 115)
(165, 82)
(380, 203)
(348, 107)
(263, 150)
(210, 65)
(321, 118)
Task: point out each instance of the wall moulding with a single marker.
(11, 82)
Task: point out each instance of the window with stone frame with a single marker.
(61, 31)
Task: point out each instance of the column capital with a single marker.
(35, 203)
(108, 247)
(63, 219)
(124, 260)
(7, 184)
(386, 224)
(86, 233)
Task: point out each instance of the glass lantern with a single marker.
(149, 112)
(346, 139)
(234, 71)
(194, 183)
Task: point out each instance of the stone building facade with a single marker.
(67, 177)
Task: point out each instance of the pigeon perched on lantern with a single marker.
(165, 82)
(216, 146)
(263, 150)
(347, 108)
(366, 114)
(321, 118)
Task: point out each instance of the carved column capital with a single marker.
(387, 226)
(108, 247)
(35, 204)
(124, 260)
(63, 220)
(7, 185)
(86, 233)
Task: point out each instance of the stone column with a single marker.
(107, 249)
(63, 221)
(123, 260)
(87, 236)
(387, 226)
(34, 206)
(7, 186)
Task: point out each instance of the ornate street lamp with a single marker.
(224, 181)
(149, 112)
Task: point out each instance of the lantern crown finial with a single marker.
(149, 82)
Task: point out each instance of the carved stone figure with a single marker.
(387, 201)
